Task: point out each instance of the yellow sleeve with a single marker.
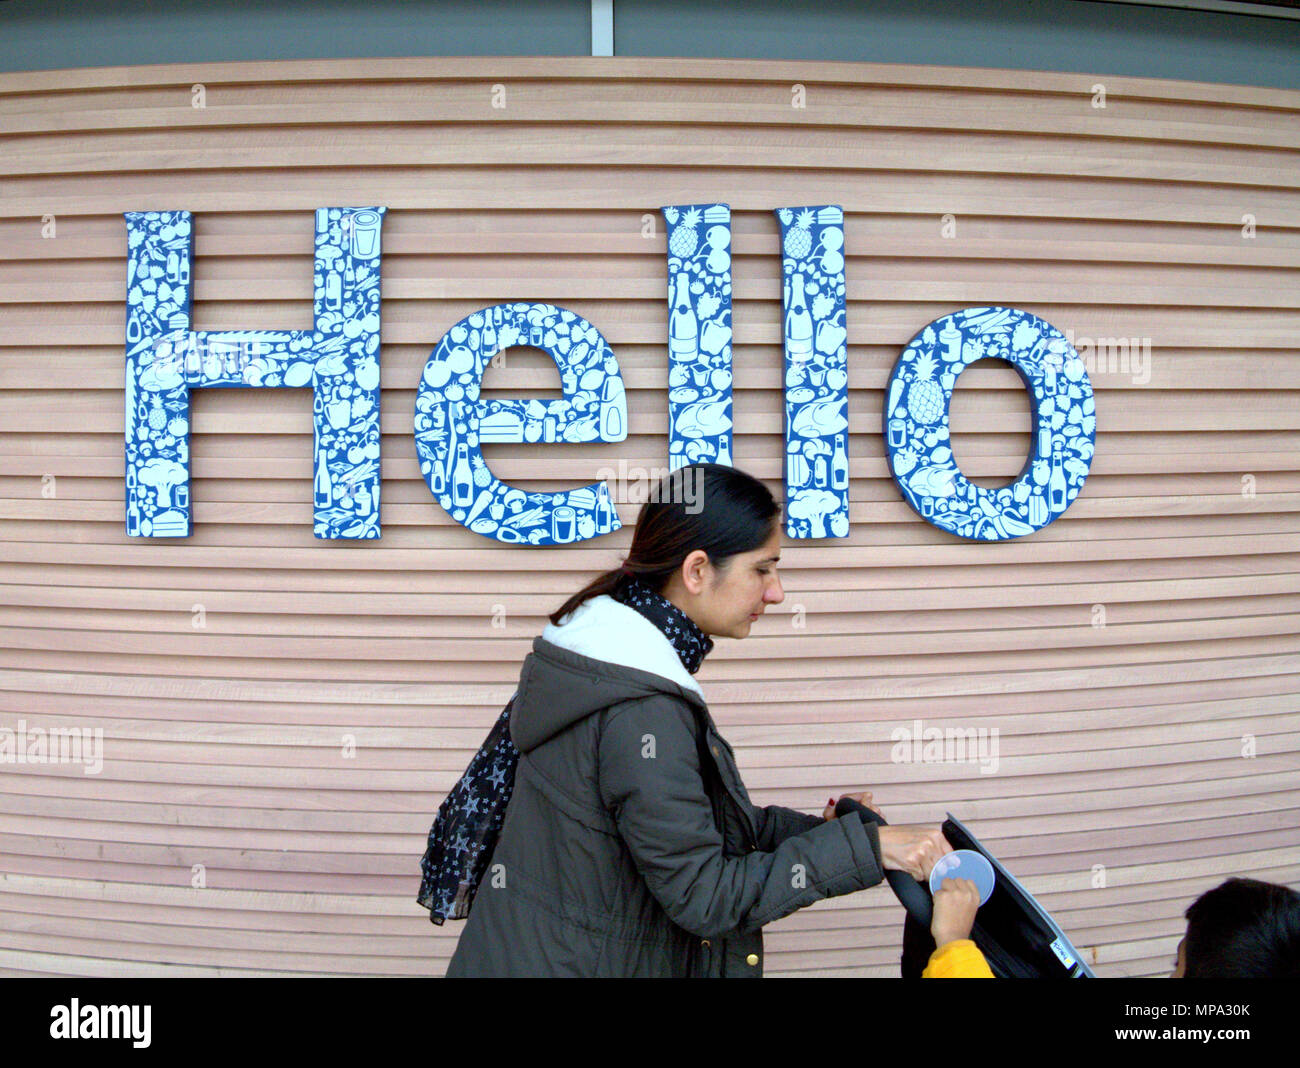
(957, 960)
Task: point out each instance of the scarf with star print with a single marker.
(469, 820)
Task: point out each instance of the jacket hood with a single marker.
(603, 653)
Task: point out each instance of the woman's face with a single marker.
(725, 601)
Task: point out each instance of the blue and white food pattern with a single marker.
(339, 360)
(699, 334)
(816, 372)
(916, 423)
(451, 423)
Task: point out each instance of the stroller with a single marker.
(1016, 935)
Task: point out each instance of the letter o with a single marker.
(916, 423)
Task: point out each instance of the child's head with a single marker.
(1242, 929)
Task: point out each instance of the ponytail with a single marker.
(608, 583)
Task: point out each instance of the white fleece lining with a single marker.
(604, 629)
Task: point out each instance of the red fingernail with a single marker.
(831, 801)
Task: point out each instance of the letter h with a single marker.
(338, 359)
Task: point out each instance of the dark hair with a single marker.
(1243, 929)
(699, 506)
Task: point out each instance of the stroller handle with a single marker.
(914, 897)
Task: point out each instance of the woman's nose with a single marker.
(774, 593)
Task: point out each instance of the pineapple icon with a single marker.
(798, 239)
(685, 240)
(924, 397)
(157, 416)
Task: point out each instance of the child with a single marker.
(1242, 929)
(956, 957)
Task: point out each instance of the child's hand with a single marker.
(954, 911)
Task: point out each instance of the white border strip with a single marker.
(602, 27)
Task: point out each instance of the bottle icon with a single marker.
(683, 327)
(362, 499)
(840, 465)
(462, 482)
(604, 512)
(324, 486)
(133, 519)
(612, 400)
(724, 451)
(333, 291)
(489, 338)
(439, 481)
(798, 323)
(173, 266)
(819, 472)
(1056, 484)
(950, 338)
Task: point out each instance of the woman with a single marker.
(630, 846)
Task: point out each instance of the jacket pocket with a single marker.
(731, 791)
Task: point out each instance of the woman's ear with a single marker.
(694, 571)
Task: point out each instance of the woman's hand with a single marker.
(955, 904)
(913, 848)
(828, 813)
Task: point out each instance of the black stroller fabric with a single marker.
(1017, 937)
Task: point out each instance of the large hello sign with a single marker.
(339, 360)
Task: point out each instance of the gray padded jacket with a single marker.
(630, 846)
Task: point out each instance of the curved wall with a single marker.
(281, 715)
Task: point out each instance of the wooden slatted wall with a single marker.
(229, 670)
